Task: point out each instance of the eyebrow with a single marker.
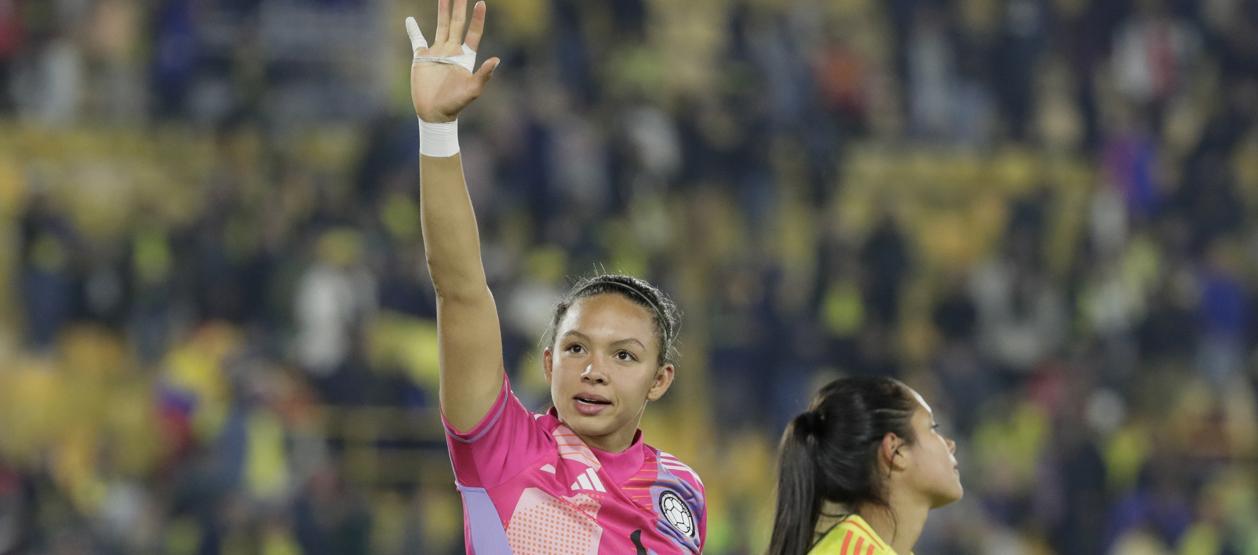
(584, 337)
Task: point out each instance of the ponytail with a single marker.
(830, 454)
(798, 502)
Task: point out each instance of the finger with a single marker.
(458, 22)
(443, 23)
(486, 71)
(477, 27)
(417, 36)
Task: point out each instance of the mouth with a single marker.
(590, 404)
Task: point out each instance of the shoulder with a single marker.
(851, 536)
(678, 468)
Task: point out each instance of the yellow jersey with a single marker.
(851, 536)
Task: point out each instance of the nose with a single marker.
(593, 374)
(952, 446)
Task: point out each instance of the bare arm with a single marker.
(469, 337)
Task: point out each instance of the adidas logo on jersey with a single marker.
(588, 482)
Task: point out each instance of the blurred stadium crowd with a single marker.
(217, 335)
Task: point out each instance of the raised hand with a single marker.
(442, 79)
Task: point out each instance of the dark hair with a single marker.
(830, 453)
(664, 312)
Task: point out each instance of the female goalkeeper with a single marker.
(577, 479)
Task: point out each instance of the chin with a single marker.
(952, 496)
(948, 496)
(589, 425)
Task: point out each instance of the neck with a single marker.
(611, 443)
(900, 525)
(831, 513)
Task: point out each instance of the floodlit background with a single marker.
(216, 328)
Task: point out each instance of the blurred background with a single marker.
(216, 327)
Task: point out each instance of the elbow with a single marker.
(469, 296)
(458, 287)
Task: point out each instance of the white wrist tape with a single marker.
(438, 140)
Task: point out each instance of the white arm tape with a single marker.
(438, 140)
(466, 60)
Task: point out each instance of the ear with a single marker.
(663, 380)
(892, 453)
(548, 361)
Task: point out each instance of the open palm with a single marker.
(439, 91)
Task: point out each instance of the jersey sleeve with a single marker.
(501, 445)
(700, 508)
(694, 495)
(703, 520)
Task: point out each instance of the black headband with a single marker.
(624, 287)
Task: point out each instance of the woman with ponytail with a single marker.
(859, 471)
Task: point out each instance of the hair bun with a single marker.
(809, 423)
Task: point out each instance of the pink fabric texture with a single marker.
(552, 493)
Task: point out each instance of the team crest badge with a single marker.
(677, 513)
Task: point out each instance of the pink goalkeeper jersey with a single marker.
(530, 486)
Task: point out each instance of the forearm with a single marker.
(451, 239)
(467, 320)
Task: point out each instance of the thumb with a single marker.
(486, 70)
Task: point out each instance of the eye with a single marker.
(575, 348)
(626, 356)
